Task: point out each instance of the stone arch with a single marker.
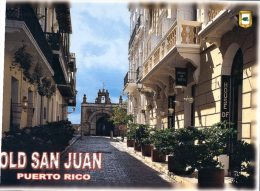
(228, 59)
(92, 120)
(97, 113)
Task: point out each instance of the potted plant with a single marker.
(244, 163)
(131, 134)
(184, 158)
(121, 118)
(215, 142)
(140, 133)
(146, 146)
(160, 140)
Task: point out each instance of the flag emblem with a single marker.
(245, 19)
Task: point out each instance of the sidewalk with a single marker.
(185, 181)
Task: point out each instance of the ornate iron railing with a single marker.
(25, 12)
(138, 23)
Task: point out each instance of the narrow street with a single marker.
(119, 169)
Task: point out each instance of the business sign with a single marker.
(225, 98)
(181, 76)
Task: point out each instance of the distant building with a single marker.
(39, 70)
(192, 65)
(95, 116)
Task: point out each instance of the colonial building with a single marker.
(193, 65)
(95, 115)
(39, 70)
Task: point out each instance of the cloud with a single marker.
(74, 118)
(101, 35)
(100, 41)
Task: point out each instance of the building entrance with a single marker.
(104, 126)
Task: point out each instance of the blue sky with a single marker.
(100, 35)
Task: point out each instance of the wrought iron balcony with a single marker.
(55, 42)
(138, 23)
(24, 12)
(129, 78)
(126, 79)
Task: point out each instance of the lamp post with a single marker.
(171, 111)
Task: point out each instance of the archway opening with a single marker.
(104, 126)
(236, 92)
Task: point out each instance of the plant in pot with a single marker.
(244, 159)
(215, 142)
(140, 132)
(121, 118)
(146, 146)
(184, 156)
(131, 134)
(161, 140)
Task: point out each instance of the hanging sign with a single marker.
(181, 76)
(225, 98)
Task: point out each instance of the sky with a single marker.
(100, 35)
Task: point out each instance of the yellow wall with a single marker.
(52, 113)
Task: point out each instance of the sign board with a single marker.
(181, 76)
(225, 98)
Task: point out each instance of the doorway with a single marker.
(30, 109)
(236, 93)
(236, 81)
(15, 107)
(104, 126)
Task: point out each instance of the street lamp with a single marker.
(189, 99)
(25, 103)
(170, 110)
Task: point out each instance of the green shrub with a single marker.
(164, 140)
(53, 136)
(131, 128)
(142, 134)
(243, 157)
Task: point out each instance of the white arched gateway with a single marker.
(95, 116)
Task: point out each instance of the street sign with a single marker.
(181, 76)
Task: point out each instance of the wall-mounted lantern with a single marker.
(25, 103)
(189, 99)
(170, 110)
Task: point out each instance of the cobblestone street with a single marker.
(119, 169)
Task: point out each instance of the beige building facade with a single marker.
(39, 70)
(193, 65)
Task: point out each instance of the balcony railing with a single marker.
(181, 32)
(212, 13)
(26, 13)
(134, 32)
(55, 42)
(126, 79)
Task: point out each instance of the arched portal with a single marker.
(104, 126)
(95, 115)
